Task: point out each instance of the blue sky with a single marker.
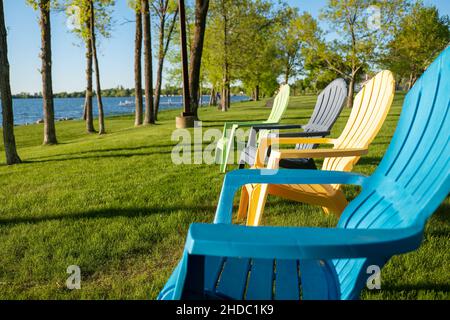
(116, 53)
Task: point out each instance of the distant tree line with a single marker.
(169, 90)
(258, 44)
(234, 46)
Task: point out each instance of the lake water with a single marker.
(27, 111)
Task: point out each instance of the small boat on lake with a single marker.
(126, 103)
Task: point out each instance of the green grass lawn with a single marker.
(116, 206)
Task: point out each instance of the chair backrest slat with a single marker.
(416, 164)
(328, 108)
(280, 104)
(414, 176)
(370, 109)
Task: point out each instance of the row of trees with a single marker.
(120, 91)
(253, 44)
(89, 20)
(257, 44)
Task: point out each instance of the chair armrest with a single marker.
(246, 124)
(303, 134)
(317, 153)
(238, 178)
(269, 141)
(277, 127)
(266, 143)
(252, 141)
(299, 243)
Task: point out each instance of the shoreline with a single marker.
(130, 114)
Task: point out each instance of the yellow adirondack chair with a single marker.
(371, 106)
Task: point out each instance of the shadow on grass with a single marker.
(296, 118)
(222, 121)
(99, 157)
(108, 150)
(421, 286)
(442, 214)
(105, 214)
(373, 161)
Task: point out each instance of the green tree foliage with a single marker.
(421, 36)
(293, 31)
(241, 46)
(258, 55)
(362, 28)
(79, 11)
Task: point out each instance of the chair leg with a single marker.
(256, 205)
(337, 204)
(243, 204)
(258, 197)
(223, 160)
(218, 155)
(229, 150)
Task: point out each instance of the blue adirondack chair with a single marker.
(222, 260)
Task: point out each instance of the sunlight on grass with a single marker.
(116, 206)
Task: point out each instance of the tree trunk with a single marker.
(201, 13)
(257, 93)
(101, 118)
(148, 67)
(46, 71)
(287, 75)
(5, 92)
(164, 42)
(351, 92)
(138, 70)
(412, 80)
(225, 101)
(160, 66)
(200, 95)
(212, 98)
(88, 109)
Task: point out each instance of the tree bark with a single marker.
(201, 13)
(88, 109)
(225, 101)
(287, 74)
(5, 91)
(162, 25)
(200, 95)
(212, 98)
(351, 92)
(257, 93)
(138, 119)
(101, 118)
(46, 71)
(148, 67)
(412, 80)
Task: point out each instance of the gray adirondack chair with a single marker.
(328, 108)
